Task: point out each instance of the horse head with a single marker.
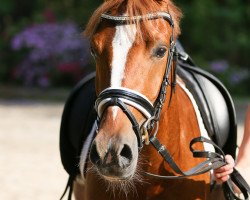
(132, 43)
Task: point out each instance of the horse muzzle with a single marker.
(115, 161)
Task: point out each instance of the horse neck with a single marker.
(170, 123)
(177, 127)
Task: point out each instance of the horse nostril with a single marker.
(126, 152)
(94, 156)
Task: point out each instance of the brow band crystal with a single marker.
(149, 16)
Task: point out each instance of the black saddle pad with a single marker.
(77, 119)
(215, 104)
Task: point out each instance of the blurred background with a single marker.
(43, 55)
(41, 45)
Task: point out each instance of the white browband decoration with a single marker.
(140, 17)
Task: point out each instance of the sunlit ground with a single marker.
(30, 166)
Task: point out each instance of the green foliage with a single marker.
(15, 16)
(219, 30)
(211, 30)
(76, 10)
(215, 29)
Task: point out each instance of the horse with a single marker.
(141, 100)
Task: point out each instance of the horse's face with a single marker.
(124, 59)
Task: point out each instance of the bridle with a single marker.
(147, 132)
(122, 97)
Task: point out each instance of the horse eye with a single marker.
(160, 52)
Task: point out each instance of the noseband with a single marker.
(124, 97)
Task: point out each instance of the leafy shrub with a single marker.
(211, 30)
(216, 34)
(51, 48)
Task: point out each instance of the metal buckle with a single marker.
(161, 149)
(144, 129)
(145, 136)
(183, 56)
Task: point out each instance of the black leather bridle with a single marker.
(122, 97)
(147, 132)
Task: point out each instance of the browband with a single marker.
(150, 16)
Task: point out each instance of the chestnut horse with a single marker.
(133, 43)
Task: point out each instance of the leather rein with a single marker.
(147, 132)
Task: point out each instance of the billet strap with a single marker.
(214, 160)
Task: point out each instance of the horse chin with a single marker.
(118, 175)
(120, 184)
(115, 179)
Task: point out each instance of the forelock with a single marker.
(136, 8)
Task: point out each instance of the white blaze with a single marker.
(122, 42)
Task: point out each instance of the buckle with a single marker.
(183, 56)
(145, 135)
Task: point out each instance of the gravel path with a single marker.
(30, 166)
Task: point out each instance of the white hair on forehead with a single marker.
(122, 42)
